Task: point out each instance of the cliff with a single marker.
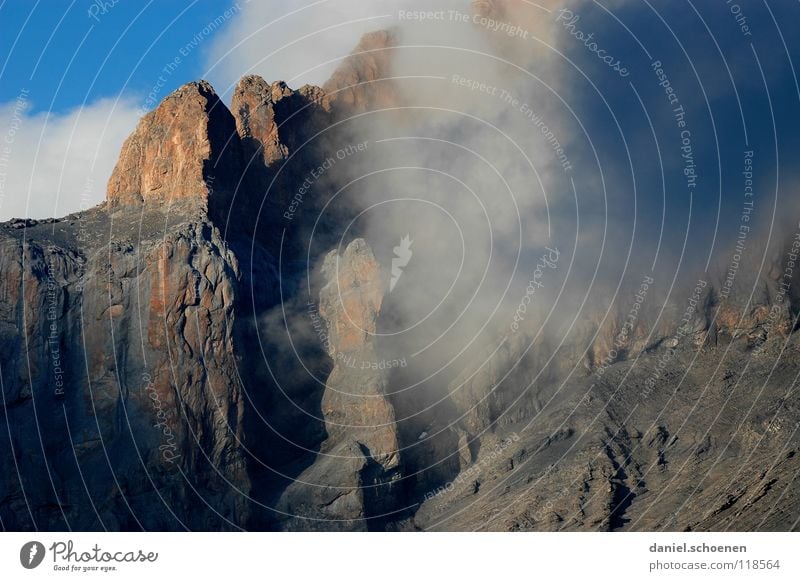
(126, 330)
(182, 357)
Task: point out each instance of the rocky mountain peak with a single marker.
(254, 105)
(274, 120)
(363, 81)
(179, 152)
(135, 334)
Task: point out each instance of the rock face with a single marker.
(255, 101)
(134, 396)
(637, 439)
(353, 483)
(118, 326)
(125, 353)
(354, 404)
(680, 453)
(497, 392)
(273, 120)
(125, 328)
(180, 151)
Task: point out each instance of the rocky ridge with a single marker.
(132, 399)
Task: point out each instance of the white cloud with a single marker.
(58, 163)
(53, 164)
(293, 40)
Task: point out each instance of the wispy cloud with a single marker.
(54, 164)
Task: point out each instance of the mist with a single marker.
(535, 170)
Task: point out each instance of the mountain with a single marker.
(183, 357)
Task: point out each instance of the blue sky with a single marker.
(67, 56)
(75, 76)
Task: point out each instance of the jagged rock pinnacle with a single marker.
(179, 151)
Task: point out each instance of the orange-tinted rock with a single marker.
(272, 119)
(253, 105)
(351, 299)
(356, 472)
(180, 151)
(354, 404)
